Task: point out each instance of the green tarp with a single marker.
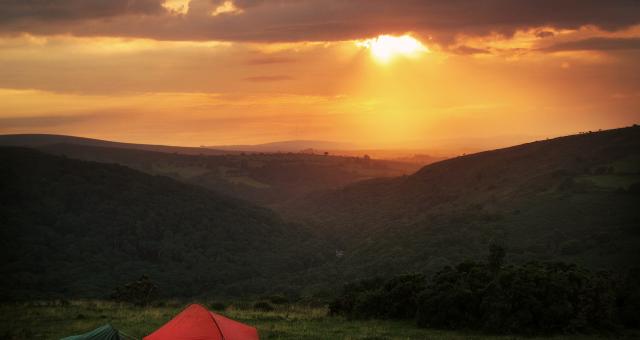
(105, 332)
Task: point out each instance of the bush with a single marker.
(140, 293)
(278, 299)
(628, 299)
(390, 299)
(263, 306)
(217, 306)
(535, 298)
(452, 298)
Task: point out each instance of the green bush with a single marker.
(390, 299)
(278, 299)
(535, 298)
(141, 292)
(628, 299)
(218, 306)
(263, 306)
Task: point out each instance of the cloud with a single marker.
(266, 79)
(596, 44)
(71, 10)
(45, 121)
(467, 50)
(310, 20)
(544, 34)
(269, 60)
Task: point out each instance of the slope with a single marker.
(573, 198)
(40, 140)
(77, 228)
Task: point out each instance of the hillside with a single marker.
(41, 140)
(77, 228)
(288, 146)
(260, 178)
(573, 198)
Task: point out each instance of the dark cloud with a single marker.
(596, 44)
(467, 50)
(266, 79)
(311, 20)
(544, 34)
(60, 10)
(269, 60)
(44, 121)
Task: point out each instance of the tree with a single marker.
(140, 292)
(496, 257)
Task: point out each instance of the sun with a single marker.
(386, 47)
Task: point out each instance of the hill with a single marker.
(41, 140)
(78, 228)
(261, 177)
(573, 198)
(287, 146)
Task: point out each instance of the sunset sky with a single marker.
(376, 73)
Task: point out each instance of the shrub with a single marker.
(217, 306)
(535, 298)
(628, 299)
(140, 292)
(390, 299)
(278, 299)
(263, 306)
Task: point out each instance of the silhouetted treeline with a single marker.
(534, 298)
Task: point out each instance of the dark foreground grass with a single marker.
(55, 320)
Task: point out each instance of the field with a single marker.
(47, 320)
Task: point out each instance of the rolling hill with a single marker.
(287, 146)
(41, 140)
(261, 178)
(573, 198)
(78, 228)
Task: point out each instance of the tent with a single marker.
(197, 323)
(106, 332)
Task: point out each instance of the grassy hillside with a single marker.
(574, 199)
(77, 228)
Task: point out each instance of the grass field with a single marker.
(55, 320)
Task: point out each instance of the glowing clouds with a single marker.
(386, 47)
(177, 6)
(227, 7)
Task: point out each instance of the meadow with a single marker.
(53, 320)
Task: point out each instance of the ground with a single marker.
(47, 320)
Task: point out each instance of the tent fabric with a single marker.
(234, 330)
(197, 323)
(106, 332)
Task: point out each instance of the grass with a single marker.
(47, 320)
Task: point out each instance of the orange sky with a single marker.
(211, 72)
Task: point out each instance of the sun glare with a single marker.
(386, 47)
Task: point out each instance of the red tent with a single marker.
(197, 323)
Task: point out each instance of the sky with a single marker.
(375, 73)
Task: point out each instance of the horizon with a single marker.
(454, 149)
(407, 75)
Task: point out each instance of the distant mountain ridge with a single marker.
(288, 146)
(39, 140)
